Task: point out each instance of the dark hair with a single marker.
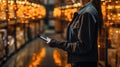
(97, 4)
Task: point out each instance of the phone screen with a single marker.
(43, 38)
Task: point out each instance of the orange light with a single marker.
(37, 58)
(56, 57)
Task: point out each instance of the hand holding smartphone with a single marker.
(46, 39)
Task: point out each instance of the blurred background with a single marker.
(21, 21)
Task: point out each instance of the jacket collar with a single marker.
(82, 8)
(86, 5)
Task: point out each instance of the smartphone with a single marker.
(43, 38)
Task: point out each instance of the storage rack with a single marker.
(16, 31)
(111, 19)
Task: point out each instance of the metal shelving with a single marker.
(16, 32)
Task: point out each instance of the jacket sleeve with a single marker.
(85, 37)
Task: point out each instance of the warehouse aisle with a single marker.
(38, 54)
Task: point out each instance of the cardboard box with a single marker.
(112, 57)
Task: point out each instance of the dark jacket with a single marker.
(81, 43)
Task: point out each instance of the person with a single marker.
(82, 35)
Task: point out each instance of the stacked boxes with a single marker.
(2, 43)
(112, 57)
